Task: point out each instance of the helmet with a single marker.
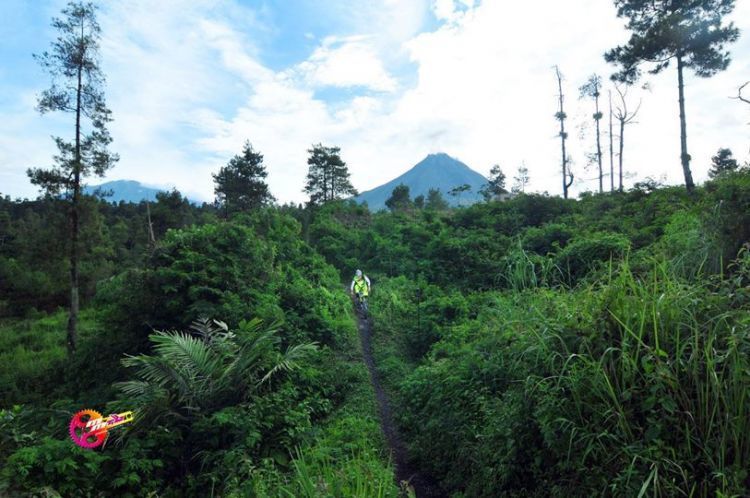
(358, 273)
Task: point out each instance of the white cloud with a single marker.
(485, 92)
(187, 86)
(351, 61)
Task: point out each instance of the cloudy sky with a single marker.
(388, 81)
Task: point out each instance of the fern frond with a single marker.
(289, 361)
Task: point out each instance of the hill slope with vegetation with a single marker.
(544, 347)
(538, 346)
(532, 347)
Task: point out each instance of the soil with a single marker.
(423, 485)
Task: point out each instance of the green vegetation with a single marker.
(541, 347)
(531, 347)
(224, 407)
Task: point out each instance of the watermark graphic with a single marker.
(88, 428)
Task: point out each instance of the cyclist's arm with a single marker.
(367, 279)
(351, 287)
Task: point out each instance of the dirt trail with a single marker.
(424, 486)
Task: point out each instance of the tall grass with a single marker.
(660, 393)
(637, 384)
(359, 475)
(525, 270)
(32, 354)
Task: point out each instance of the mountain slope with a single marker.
(126, 190)
(438, 171)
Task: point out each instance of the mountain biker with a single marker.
(360, 285)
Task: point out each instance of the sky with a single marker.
(388, 81)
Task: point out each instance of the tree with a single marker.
(624, 117)
(741, 97)
(419, 202)
(328, 175)
(521, 179)
(459, 190)
(77, 88)
(399, 199)
(592, 89)
(240, 185)
(495, 185)
(690, 32)
(722, 162)
(567, 176)
(435, 200)
(171, 210)
(611, 146)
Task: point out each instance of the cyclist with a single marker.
(360, 287)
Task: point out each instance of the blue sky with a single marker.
(389, 81)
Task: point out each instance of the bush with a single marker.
(585, 254)
(546, 239)
(633, 386)
(727, 205)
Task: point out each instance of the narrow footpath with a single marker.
(424, 486)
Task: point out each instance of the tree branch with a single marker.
(739, 94)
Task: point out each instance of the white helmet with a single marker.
(358, 273)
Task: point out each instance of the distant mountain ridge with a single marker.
(436, 171)
(127, 191)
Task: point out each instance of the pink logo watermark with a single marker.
(88, 428)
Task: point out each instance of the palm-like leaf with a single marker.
(290, 360)
(199, 373)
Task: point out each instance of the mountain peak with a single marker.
(127, 191)
(435, 171)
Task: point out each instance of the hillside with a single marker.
(433, 329)
(127, 191)
(539, 323)
(436, 171)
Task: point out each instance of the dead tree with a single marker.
(739, 93)
(625, 117)
(567, 176)
(592, 89)
(611, 148)
(151, 238)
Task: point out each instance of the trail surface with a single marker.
(424, 486)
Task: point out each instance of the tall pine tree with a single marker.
(690, 33)
(240, 185)
(328, 175)
(400, 199)
(77, 88)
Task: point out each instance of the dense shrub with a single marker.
(547, 239)
(587, 253)
(630, 385)
(727, 211)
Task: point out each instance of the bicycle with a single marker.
(360, 303)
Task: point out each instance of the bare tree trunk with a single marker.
(739, 93)
(599, 145)
(684, 156)
(325, 183)
(72, 333)
(151, 238)
(611, 149)
(561, 117)
(622, 148)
